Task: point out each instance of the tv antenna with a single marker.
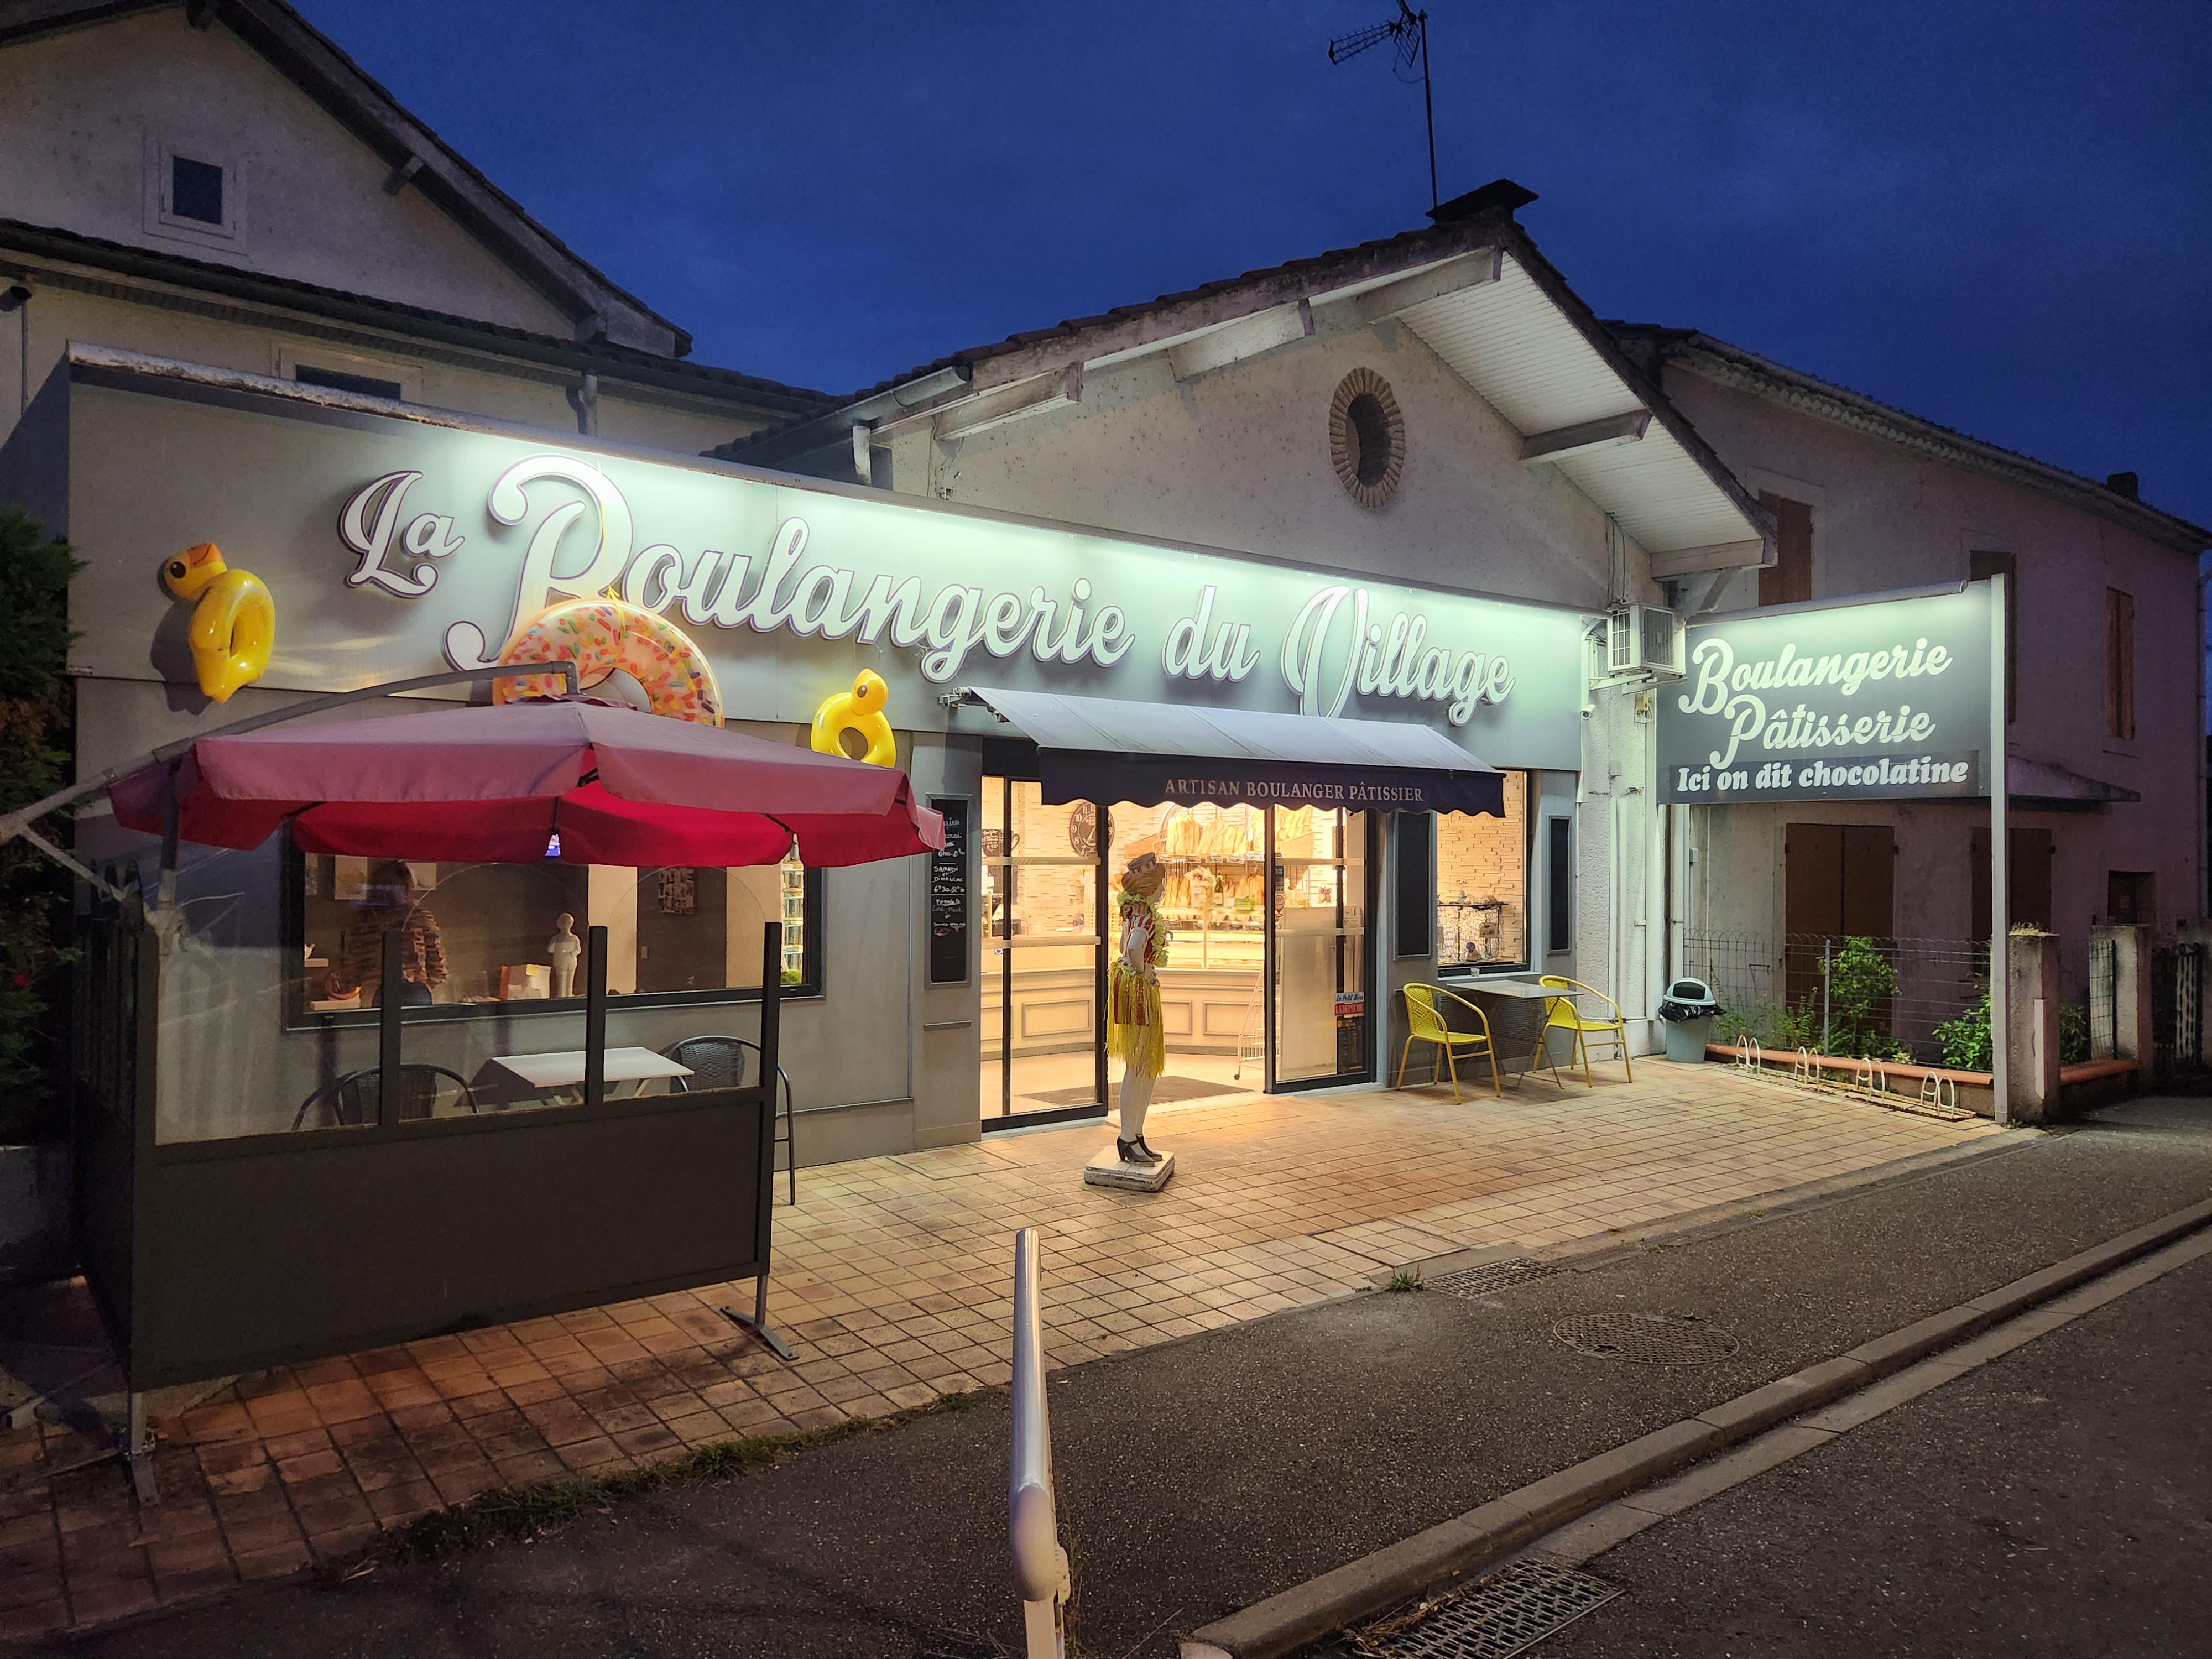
(1409, 32)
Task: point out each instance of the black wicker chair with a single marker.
(353, 1099)
(719, 1062)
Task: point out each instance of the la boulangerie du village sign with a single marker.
(1878, 701)
(392, 545)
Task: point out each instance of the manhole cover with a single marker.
(1649, 1338)
(1492, 1276)
(1506, 1613)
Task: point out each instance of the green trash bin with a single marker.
(1688, 1009)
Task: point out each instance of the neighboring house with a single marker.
(1437, 409)
(2105, 685)
(218, 182)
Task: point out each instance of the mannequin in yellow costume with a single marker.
(1132, 1017)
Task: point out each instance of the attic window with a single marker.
(196, 190)
(1366, 437)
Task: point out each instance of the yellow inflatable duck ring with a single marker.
(233, 620)
(860, 711)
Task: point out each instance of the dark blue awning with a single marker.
(1104, 749)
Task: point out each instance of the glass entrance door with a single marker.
(1318, 1025)
(1043, 964)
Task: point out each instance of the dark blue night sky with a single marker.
(1993, 214)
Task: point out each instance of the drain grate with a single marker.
(1649, 1339)
(1506, 1613)
(1492, 1276)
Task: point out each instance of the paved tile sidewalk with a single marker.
(892, 1280)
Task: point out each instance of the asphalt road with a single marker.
(1199, 1476)
(2057, 1501)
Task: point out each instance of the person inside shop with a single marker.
(388, 904)
(1133, 1027)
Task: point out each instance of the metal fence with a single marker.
(1882, 997)
(2177, 1004)
(2104, 996)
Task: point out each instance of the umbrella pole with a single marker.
(771, 1029)
(595, 1019)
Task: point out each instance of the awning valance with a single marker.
(1105, 749)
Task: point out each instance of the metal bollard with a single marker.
(1032, 1517)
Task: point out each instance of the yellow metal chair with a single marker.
(1428, 1025)
(1561, 1013)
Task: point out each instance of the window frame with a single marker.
(298, 1016)
(162, 218)
(1531, 801)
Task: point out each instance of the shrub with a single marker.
(1964, 1039)
(34, 730)
(1861, 982)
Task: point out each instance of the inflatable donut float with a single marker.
(602, 636)
(233, 626)
(860, 711)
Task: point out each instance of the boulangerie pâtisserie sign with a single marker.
(1880, 701)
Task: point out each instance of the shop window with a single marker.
(1789, 579)
(488, 937)
(2119, 663)
(2028, 853)
(1981, 567)
(1482, 884)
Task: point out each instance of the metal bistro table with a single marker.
(1513, 1018)
(511, 1076)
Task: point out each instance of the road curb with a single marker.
(1470, 1542)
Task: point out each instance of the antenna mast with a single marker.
(1409, 31)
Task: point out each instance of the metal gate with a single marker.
(2177, 978)
(2104, 996)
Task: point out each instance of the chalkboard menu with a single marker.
(948, 896)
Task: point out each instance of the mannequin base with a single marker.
(1107, 1170)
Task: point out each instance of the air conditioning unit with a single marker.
(1642, 642)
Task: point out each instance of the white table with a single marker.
(563, 1069)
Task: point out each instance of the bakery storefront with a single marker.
(1069, 699)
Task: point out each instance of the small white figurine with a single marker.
(564, 948)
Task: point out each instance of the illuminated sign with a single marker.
(1870, 702)
(402, 543)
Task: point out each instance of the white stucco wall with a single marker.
(1239, 458)
(80, 110)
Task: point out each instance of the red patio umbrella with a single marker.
(495, 785)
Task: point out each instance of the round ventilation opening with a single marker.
(1367, 437)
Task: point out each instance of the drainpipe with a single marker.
(584, 399)
(17, 299)
(1656, 853)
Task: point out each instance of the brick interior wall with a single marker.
(1482, 859)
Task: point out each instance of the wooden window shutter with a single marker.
(1791, 578)
(2119, 663)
